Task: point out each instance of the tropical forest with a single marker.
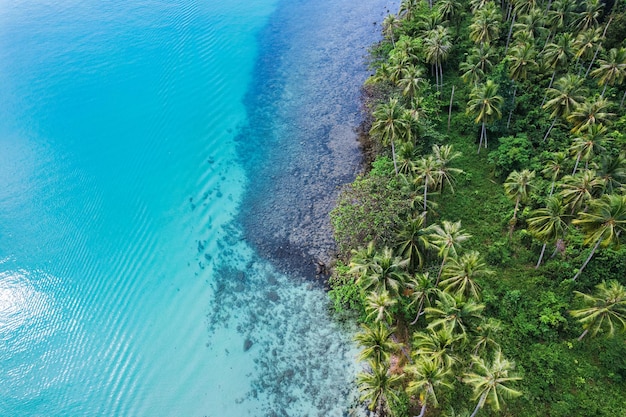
(481, 250)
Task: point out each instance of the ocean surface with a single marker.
(165, 169)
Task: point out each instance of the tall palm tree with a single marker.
(585, 44)
(560, 16)
(428, 174)
(521, 60)
(553, 167)
(612, 172)
(378, 387)
(557, 55)
(612, 69)
(517, 187)
(387, 272)
(453, 312)
(378, 305)
(485, 103)
(485, 25)
(362, 260)
(489, 379)
(549, 223)
(603, 224)
(376, 341)
(588, 18)
(408, 8)
(437, 46)
(421, 288)
(461, 272)
(605, 308)
(427, 377)
(449, 9)
(471, 70)
(577, 190)
(441, 346)
(390, 125)
(486, 334)
(390, 24)
(564, 98)
(448, 238)
(531, 26)
(411, 80)
(444, 155)
(412, 241)
(407, 154)
(589, 113)
(589, 144)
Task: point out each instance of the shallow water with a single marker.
(137, 159)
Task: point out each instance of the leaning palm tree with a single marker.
(557, 55)
(564, 98)
(486, 334)
(448, 238)
(603, 224)
(390, 125)
(553, 168)
(377, 342)
(589, 144)
(605, 308)
(585, 44)
(459, 275)
(489, 379)
(612, 70)
(588, 18)
(421, 289)
(378, 387)
(412, 241)
(390, 24)
(612, 172)
(453, 312)
(408, 8)
(378, 305)
(427, 377)
(485, 25)
(441, 346)
(485, 104)
(521, 60)
(577, 190)
(549, 224)
(517, 187)
(444, 155)
(387, 272)
(411, 80)
(437, 46)
(428, 174)
(589, 113)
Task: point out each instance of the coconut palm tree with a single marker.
(549, 223)
(390, 24)
(489, 379)
(557, 55)
(412, 241)
(589, 113)
(585, 44)
(531, 26)
(612, 70)
(427, 377)
(376, 341)
(408, 8)
(589, 144)
(407, 154)
(453, 312)
(460, 273)
(471, 71)
(441, 346)
(553, 168)
(421, 288)
(448, 238)
(428, 174)
(606, 308)
(517, 187)
(588, 18)
(602, 224)
(389, 125)
(486, 334)
(411, 80)
(437, 46)
(559, 16)
(362, 260)
(612, 172)
(387, 272)
(485, 25)
(444, 155)
(577, 190)
(521, 60)
(564, 98)
(449, 9)
(378, 387)
(485, 104)
(378, 305)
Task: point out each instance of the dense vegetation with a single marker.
(481, 252)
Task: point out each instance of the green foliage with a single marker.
(345, 295)
(513, 154)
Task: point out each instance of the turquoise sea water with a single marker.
(138, 151)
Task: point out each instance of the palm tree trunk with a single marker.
(425, 193)
(485, 135)
(423, 409)
(443, 261)
(393, 154)
(480, 404)
(588, 259)
(419, 311)
(543, 250)
(514, 219)
(508, 38)
(576, 164)
(441, 74)
(549, 86)
(583, 335)
(595, 55)
(508, 122)
(436, 76)
(549, 129)
(552, 187)
(604, 90)
(599, 45)
(621, 103)
(450, 108)
(480, 142)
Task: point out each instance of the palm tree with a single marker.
(378, 387)
(421, 288)
(517, 187)
(589, 144)
(377, 306)
(612, 70)
(453, 312)
(485, 25)
(486, 334)
(362, 260)
(564, 98)
(437, 48)
(390, 125)
(448, 9)
(605, 308)
(448, 238)
(612, 172)
(553, 168)
(589, 113)
(408, 8)
(560, 15)
(441, 346)
(531, 26)
(444, 155)
(603, 224)
(427, 377)
(411, 80)
(521, 60)
(585, 43)
(407, 154)
(390, 24)
(427, 173)
(385, 273)
(485, 103)
(557, 55)
(577, 190)
(588, 18)
(412, 241)
(376, 341)
(549, 224)
(471, 71)
(489, 379)
(461, 272)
